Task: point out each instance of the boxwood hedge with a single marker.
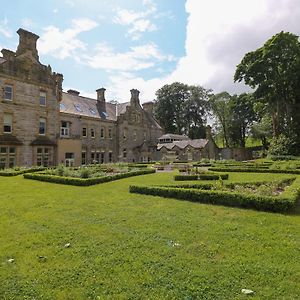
(253, 170)
(204, 176)
(85, 181)
(283, 203)
(11, 172)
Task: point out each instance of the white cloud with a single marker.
(138, 22)
(218, 35)
(55, 10)
(4, 29)
(27, 23)
(137, 58)
(62, 44)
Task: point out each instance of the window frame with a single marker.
(11, 93)
(41, 97)
(45, 126)
(8, 124)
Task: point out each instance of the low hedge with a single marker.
(253, 170)
(22, 171)
(265, 203)
(85, 181)
(204, 176)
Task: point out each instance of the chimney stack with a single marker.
(148, 107)
(73, 92)
(135, 101)
(101, 94)
(27, 42)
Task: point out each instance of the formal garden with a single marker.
(134, 237)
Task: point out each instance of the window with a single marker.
(110, 133)
(43, 97)
(92, 111)
(8, 92)
(7, 123)
(64, 129)
(42, 127)
(102, 133)
(83, 157)
(7, 157)
(43, 157)
(134, 135)
(124, 153)
(69, 159)
(92, 133)
(110, 157)
(62, 106)
(84, 132)
(77, 107)
(101, 157)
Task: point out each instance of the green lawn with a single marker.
(130, 246)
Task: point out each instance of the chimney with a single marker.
(7, 54)
(73, 92)
(101, 94)
(27, 42)
(135, 101)
(148, 107)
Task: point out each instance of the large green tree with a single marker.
(274, 72)
(234, 117)
(182, 109)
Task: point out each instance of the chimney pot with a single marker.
(27, 41)
(73, 92)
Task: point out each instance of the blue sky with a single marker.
(145, 44)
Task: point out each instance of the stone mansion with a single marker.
(44, 126)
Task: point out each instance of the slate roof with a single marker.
(197, 144)
(84, 106)
(9, 139)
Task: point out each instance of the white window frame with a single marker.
(102, 133)
(93, 133)
(65, 130)
(86, 132)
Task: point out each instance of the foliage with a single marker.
(182, 109)
(85, 181)
(282, 145)
(20, 170)
(267, 203)
(235, 116)
(274, 70)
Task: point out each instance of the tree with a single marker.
(274, 71)
(220, 109)
(182, 109)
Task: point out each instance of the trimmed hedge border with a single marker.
(201, 177)
(85, 182)
(20, 172)
(254, 170)
(283, 203)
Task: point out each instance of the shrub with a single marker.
(85, 173)
(85, 181)
(266, 203)
(19, 171)
(204, 176)
(253, 170)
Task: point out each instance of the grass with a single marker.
(129, 246)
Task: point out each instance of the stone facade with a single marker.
(42, 125)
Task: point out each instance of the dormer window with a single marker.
(8, 92)
(43, 97)
(64, 129)
(77, 107)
